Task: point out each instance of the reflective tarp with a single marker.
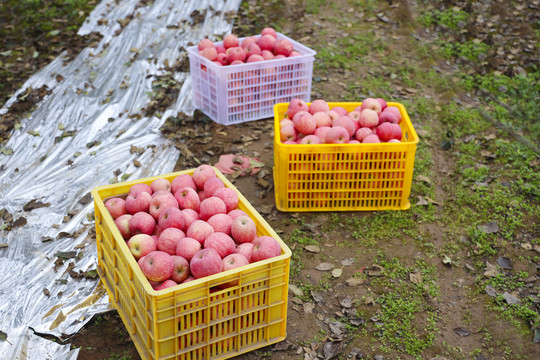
(89, 131)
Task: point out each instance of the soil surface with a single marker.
(319, 322)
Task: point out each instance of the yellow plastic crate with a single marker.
(344, 177)
(195, 320)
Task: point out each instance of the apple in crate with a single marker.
(138, 188)
(368, 118)
(190, 216)
(172, 218)
(160, 203)
(318, 105)
(243, 229)
(229, 197)
(287, 133)
(199, 230)
(166, 284)
(230, 262)
(138, 201)
(187, 247)
(157, 265)
(245, 249)
(160, 184)
(295, 106)
(210, 207)
(205, 43)
(168, 240)
(322, 119)
(122, 223)
(180, 269)
(337, 135)
(236, 213)
(182, 180)
(187, 198)
(371, 103)
(222, 243)
(269, 31)
(205, 263)
(116, 207)
(140, 245)
(362, 133)
(212, 184)
(142, 223)
(221, 223)
(201, 174)
(304, 123)
(265, 247)
(347, 123)
(230, 40)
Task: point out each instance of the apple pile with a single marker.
(188, 228)
(254, 48)
(371, 122)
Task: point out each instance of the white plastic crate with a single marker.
(235, 94)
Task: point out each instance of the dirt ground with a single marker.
(465, 328)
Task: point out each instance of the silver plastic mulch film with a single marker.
(82, 135)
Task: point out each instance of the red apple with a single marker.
(311, 140)
(168, 240)
(205, 263)
(160, 203)
(337, 135)
(187, 247)
(322, 133)
(236, 213)
(322, 119)
(201, 174)
(340, 110)
(230, 40)
(245, 249)
(138, 188)
(235, 54)
(304, 123)
(212, 184)
(371, 103)
(254, 58)
(164, 285)
(187, 198)
(181, 181)
(140, 245)
(265, 247)
(160, 184)
(172, 218)
(383, 103)
(252, 49)
(243, 229)
(229, 197)
(199, 230)
(283, 47)
(205, 43)
(221, 223)
(137, 202)
(334, 115)
(180, 269)
(266, 42)
(233, 261)
(190, 216)
(142, 223)
(318, 105)
(295, 106)
(210, 207)
(157, 266)
(269, 31)
(371, 139)
(368, 118)
(361, 133)
(347, 123)
(267, 55)
(122, 223)
(116, 207)
(287, 133)
(222, 243)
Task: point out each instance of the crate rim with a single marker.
(368, 146)
(287, 253)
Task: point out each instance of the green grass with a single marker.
(406, 321)
(448, 18)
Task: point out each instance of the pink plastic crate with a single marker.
(235, 94)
